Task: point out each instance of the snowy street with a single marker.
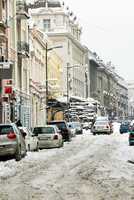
(88, 168)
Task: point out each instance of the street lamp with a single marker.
(48, 49)
(69, 67)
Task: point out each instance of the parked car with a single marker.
(78, 127)
(48, 136)
(124, 127)
(72, 128)
(131, 134)
(100, 127)
(30, 139)
(63, 127)
(12, 142)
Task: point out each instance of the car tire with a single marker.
(18, 155)
(62, 144)
(37, 148)
(94, 133)
(29, 147)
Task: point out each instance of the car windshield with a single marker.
(43, 130)
(5, 129)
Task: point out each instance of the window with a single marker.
(59, 20)
(46, 24)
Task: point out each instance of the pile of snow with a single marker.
(7, 169)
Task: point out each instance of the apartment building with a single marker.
(108, 87)
(63, 29)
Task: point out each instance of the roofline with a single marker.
(66, 34)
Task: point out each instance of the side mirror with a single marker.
(34, 134)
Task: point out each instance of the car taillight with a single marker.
(55, 137)
(131, 135)
(107, 126)
(11, 135)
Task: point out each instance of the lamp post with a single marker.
(69, 67)
(46, 61)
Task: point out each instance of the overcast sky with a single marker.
(108, 29)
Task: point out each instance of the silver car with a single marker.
(12, 142)
(48, 136)
(101, 127)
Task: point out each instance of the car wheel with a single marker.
(37, 148)
(18, 154)
(29, 147)
(62, 143)
(94, 133)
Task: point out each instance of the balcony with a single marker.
(3, 36)
(23, 49)
(22, 9)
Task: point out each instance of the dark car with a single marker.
(63, 127)
(124, 127)
(131, 135)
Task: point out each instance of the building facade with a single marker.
(130, 99)
(63, 29)
(37, 77)
(108, 87)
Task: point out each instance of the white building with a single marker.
(131, 98)
(63, 29)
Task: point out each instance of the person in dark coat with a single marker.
(18, 123)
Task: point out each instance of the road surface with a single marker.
(88, 168)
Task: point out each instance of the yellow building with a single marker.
(43, 57)
(54, 74)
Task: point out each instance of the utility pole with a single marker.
(46, 84)
(46, 55)
(68, 91)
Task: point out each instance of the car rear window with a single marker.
(101, 123)
(42, 130)
(60, 125)
(77, 125)
(5, 130)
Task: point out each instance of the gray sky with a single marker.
(108, 29)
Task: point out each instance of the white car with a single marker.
(31, 140)
(49, 136)
(100, 127)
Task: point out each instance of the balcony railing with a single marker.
(23, 49)
(3, 36)
(22, 9)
